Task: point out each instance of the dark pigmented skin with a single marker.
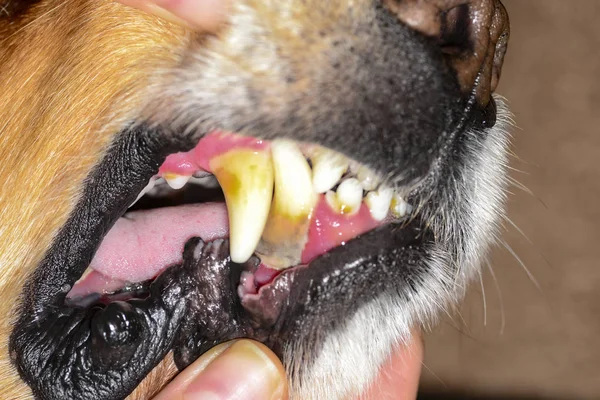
(104, 351)
(407, 120)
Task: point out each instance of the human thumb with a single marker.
(242, 369)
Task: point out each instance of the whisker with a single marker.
(529, 274)
(483, 298)
(520, 171)
(514, 182)
(434, 374)
(538, 251)
(500, 298)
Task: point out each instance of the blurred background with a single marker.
(515, 338)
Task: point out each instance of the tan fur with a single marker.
(60, 103)
(72, 73)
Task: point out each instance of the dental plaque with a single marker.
(284, 202)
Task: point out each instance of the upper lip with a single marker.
(299, 226)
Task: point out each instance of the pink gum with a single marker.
(210, 146)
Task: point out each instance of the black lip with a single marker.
(128, 338)
(193, 306)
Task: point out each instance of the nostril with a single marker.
(472, 34)
(114, 327)
(455, 31)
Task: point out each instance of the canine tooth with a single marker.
(379, 203)
(327, 169)
(286, 230)
(246, 177)
(368, 180)
(399, 207)
(348, 198)
(176, 181)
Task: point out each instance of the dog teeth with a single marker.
(348, 197)
(176, 181)
(328, 168)
(399, 207)
(368, 180)
(293, 202)
(148, 188)
(379, 203)
(293, 187)
(246, 178)
(271, 194)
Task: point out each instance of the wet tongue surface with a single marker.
(142, 244)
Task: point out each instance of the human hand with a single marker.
(237, 370)
(245, 369)
(202, 15)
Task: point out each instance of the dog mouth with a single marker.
(187, 235)
(282, 203)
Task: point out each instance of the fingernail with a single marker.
(245, 370)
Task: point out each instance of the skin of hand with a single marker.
(245, 369)
(201, 15)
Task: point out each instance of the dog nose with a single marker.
(473, 34)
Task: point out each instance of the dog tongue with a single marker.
(142, 244)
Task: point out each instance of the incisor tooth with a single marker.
(246, 177)
(379, 203)
(327, 169)
(286, 230)
(176, 181)
(347, 199)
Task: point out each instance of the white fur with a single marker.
(350, 357)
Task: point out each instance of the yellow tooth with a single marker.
(286, 230)
(176, 181)
(246, 177)
(399, 207)
(348, 198)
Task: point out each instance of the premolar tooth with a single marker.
(286, 231)
(327, 169)
(379, 203)
(348, 198)
(367, 178)
(246, 177)
(176, 181)
(399, 207)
